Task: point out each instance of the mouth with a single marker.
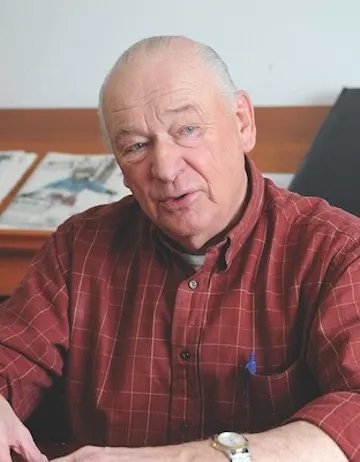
(179, 197)
(179, 202)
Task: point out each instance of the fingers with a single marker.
(26, 447)
(14, 435)
(5, 453)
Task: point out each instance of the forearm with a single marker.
(34, 334)
(297, 441)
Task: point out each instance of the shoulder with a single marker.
(103, 223)
(312, 226)
(106, 213)
(311, 214)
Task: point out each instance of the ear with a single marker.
(246, 118)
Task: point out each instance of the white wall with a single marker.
(55, 53)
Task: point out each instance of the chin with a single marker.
(186, 234)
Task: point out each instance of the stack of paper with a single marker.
(63, 185)
(13, 165)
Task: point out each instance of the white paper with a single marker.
(13, 165)
(61, 186)
(280, 179)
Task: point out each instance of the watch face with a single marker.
(232, 440)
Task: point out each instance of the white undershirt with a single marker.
(196, 261)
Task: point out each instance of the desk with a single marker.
(284, 136)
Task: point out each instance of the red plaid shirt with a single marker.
(153, 352)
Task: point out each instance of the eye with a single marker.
(189, 130)
(136, 147)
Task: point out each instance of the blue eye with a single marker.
(189, 130)
(135, 147)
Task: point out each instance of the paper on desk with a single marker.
(63, 185)
(280, 179)
(13, 165)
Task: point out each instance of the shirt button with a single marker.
(184, 355)
(193, 284)
(184, 426)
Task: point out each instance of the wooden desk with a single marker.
(284, 135)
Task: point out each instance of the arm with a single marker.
(294, 442)
(34, 330)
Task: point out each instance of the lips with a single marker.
(175, 196)
(179, 201)
(179, 196)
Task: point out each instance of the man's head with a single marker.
(179, 131)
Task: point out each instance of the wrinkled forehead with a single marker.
(158, 82)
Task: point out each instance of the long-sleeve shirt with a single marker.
(153, 352)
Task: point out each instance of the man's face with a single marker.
(180, 147)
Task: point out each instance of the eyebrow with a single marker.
(183, 108)
(126, 129)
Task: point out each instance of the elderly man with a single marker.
(209, 316)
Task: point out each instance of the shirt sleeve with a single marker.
(334, 356)
(34, 328)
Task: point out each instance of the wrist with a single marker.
(200, 451)
(235, 446)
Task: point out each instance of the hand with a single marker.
(14, 435)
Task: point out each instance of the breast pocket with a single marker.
(271, 399)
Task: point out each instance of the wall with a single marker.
(55, 53)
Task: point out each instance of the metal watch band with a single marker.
(241, 457)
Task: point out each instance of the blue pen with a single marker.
(249, 368)
(251, 364)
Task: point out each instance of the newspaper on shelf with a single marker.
(13, 165)
(62, 185)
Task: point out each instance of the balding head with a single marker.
(180, 144)
(164, 50)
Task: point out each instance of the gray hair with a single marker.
(152, 45)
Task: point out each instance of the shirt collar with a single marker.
(252, 211)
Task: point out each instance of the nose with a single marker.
(166, 160)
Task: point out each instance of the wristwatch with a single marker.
(233, 445)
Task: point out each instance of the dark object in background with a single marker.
(331, 168)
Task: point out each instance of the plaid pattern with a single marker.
(153, 352)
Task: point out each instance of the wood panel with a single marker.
(284, 136)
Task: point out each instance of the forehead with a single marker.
(158, 87)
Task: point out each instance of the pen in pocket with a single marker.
(248, 368)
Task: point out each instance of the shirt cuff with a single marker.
(338, 415)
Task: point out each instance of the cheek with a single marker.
(211, 162)
(221, 166)
(136, 178)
